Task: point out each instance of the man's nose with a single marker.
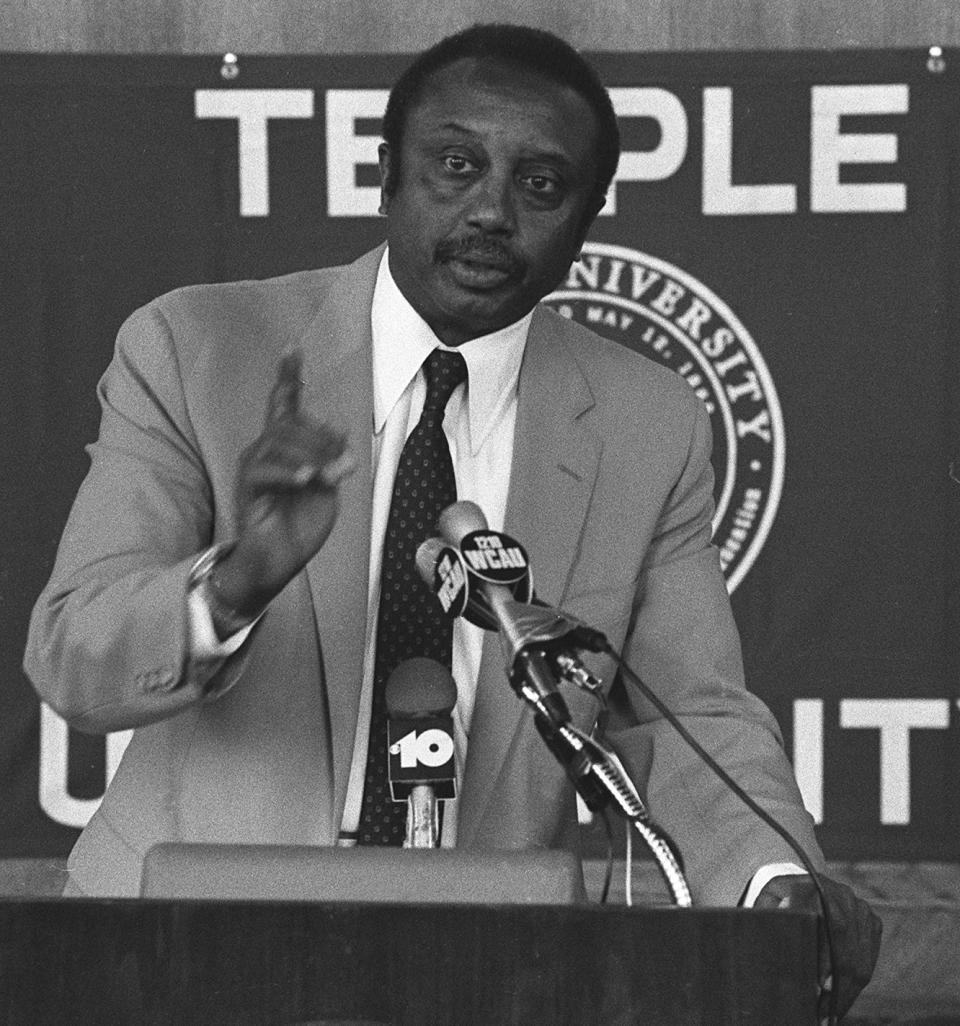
(492, 204)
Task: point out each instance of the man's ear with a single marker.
(387, 176)
(596, 204)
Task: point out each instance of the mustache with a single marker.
(480, 249)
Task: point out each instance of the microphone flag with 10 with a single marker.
(421, 764)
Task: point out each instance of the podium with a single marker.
(166, 962)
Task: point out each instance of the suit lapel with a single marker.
(555, 461)
(338, 387)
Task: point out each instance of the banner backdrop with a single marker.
(781, 233)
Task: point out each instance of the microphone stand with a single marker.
(423, 818)
(598, 775)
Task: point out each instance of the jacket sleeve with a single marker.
(107, 646)
(684, 644)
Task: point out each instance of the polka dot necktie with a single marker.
(410, 622)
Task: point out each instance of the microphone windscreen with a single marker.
(461, 518)
(420, 687)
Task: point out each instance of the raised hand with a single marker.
(287, 496)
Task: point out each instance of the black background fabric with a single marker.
(113, 191)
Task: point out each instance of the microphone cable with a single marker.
(608, 875)
(758, 810)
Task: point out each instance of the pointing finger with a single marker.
(284, 399)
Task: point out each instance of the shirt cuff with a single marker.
(205, 646)
(764, 875)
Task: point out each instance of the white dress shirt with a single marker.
(478, 422)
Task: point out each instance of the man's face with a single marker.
(495, 192)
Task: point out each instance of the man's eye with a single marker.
(543, 185)
(457, 163)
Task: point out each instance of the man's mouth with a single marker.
(482, 267)
(480, 272)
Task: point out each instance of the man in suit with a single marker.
(217, 584)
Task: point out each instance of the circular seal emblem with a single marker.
(666, 314)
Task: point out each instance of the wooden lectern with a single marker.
(260, 962)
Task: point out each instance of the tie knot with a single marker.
(444, 370)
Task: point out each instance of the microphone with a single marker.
(420, 695)
(479, 576)
(492, 561)
(456, 574)
(487, 580)
(483, 580)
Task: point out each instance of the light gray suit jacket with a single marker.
(610, 491)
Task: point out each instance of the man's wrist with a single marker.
(764, 875)
(226, 617)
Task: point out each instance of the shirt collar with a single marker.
(402, 340)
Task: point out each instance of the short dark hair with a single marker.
(528, 48)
